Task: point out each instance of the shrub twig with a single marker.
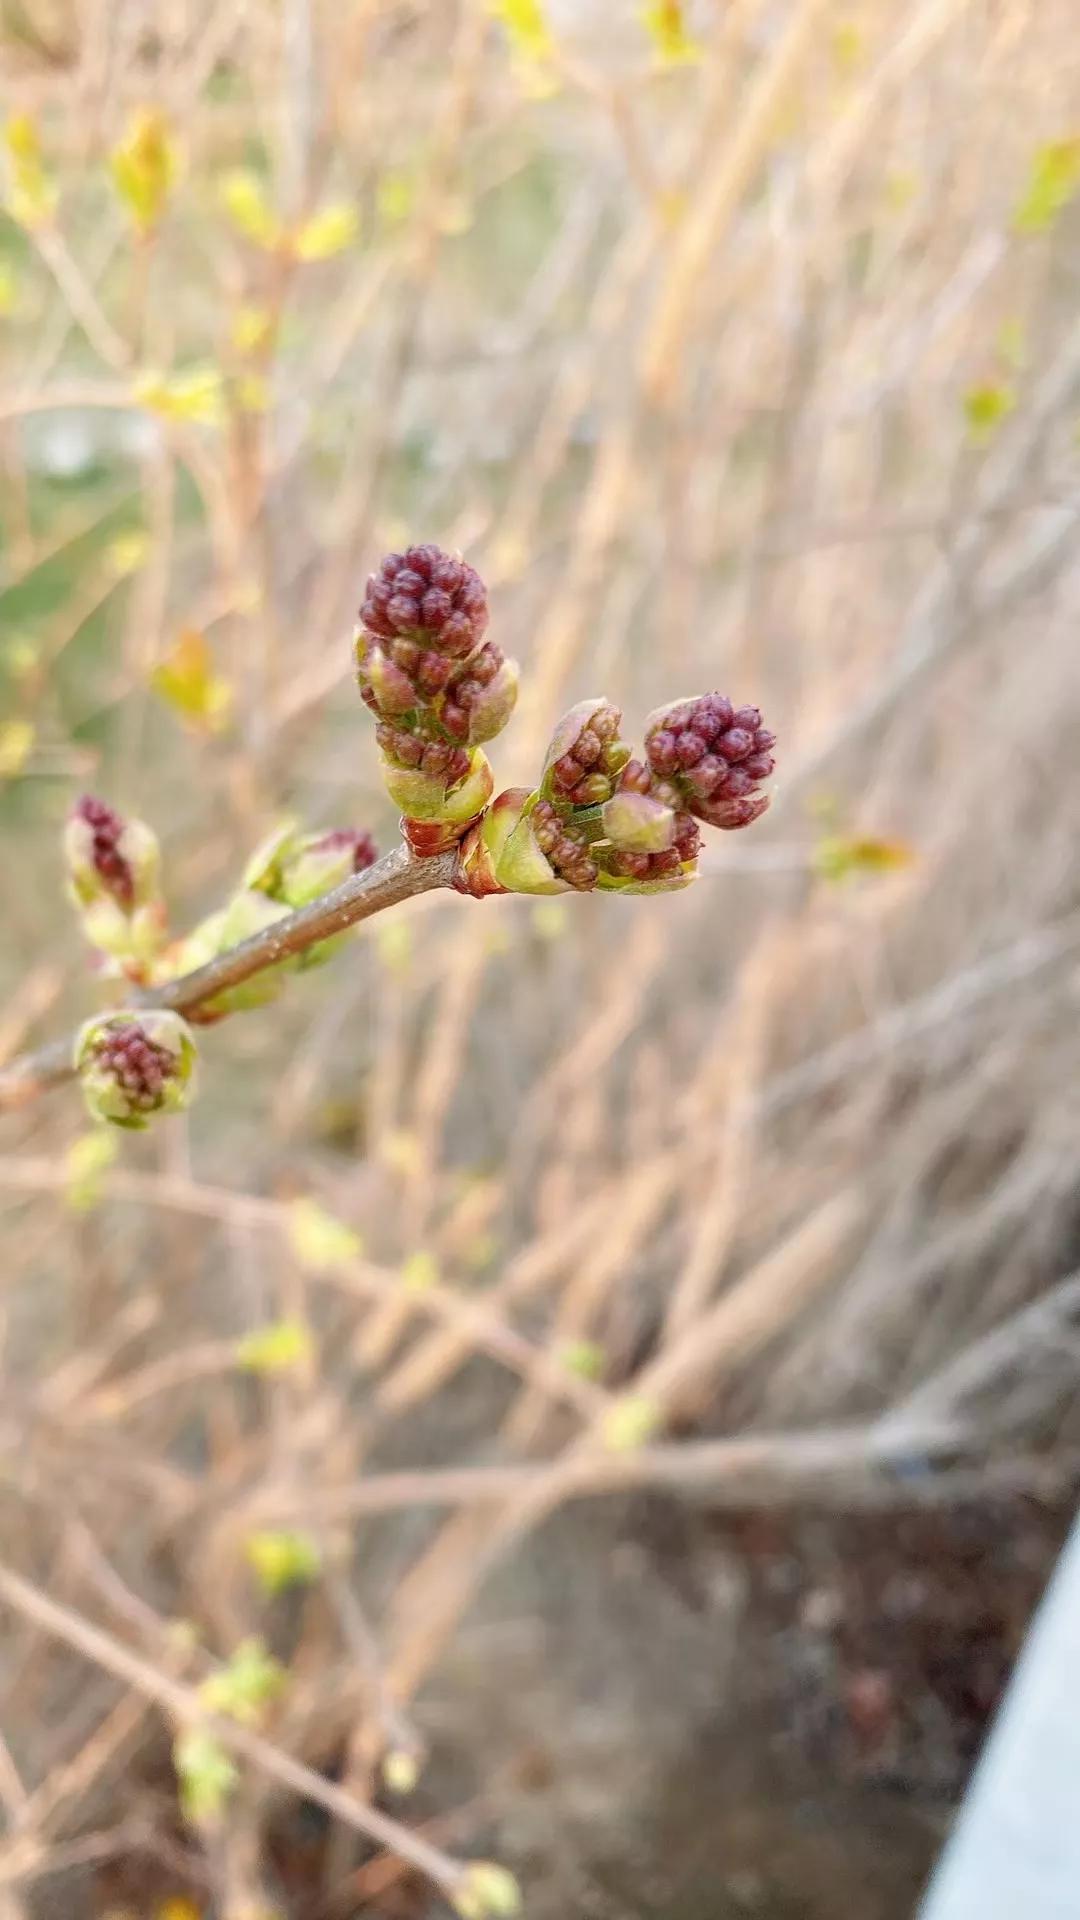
(399, 877)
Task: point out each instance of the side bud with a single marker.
(585, 756)
(530, 849)
(114, 881)
(247, 913)
(134, 1065)
(485, 843)
(322, 861)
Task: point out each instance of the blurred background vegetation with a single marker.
(736, 345)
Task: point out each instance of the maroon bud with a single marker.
(566, 850)
(399, 745)
(636, 777)
(447, 574)
(422, 558)
(403, 613)
(713, 756)
(364, 851)
(433, 674)
(709, 773)
(436, 607)
(106, 829)
(132, 1066)
(736, 743)
(663, 749)
(567, 772)
(690, 747)
(436, 760)
(410, 582)
(458, 635)
(730, 814)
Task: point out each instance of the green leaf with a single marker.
(487, 1892)
(196, 395)
(1053, 181)
(276, 1348)
(665, 23)
(250, 1681)
(986, 406)
(401, 1770)
(844, 856)
(526, 27)
(280, 1559)
(128, 553)
(586, 1358)
(86, 1162)
(395, 196)
(144, 168)
(319, 1241)
(32, 194)
(329, 231)
(206, 1775)
(419, 1272)
(243, 198)
(186, 681)
(16, 745)
(630, 1422)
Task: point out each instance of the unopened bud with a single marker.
(638, 823)
(585, 755)
(322, 861)
(134, 1065)
(426, 796)
(437, 687)
(522, 865)
(711, 758)
(114, 874)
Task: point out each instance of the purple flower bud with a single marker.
(712, 757)
(133, 1065)
(584, 749)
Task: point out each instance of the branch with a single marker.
(182, 1704)
(396, 878)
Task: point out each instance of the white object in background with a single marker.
(1014, 1853)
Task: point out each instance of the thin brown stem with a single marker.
(399, 877)
(183, 1704)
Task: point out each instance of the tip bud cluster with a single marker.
(438, 688)
(601, 818)
(114, 879)
(712, 758)
(134, 1065)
